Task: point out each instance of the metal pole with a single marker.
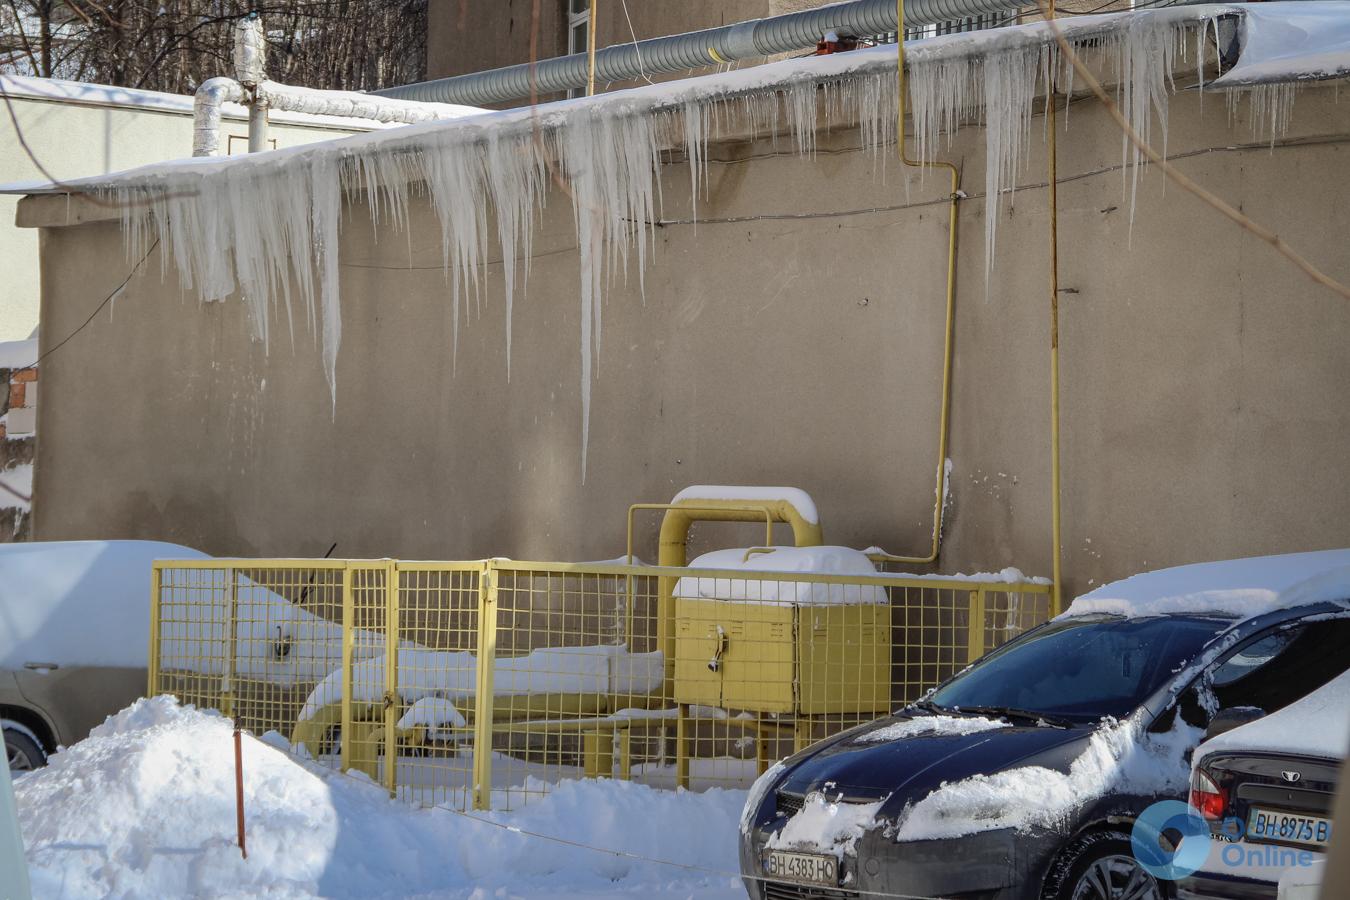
(590, 51)
(257, 124)
(1056, 597)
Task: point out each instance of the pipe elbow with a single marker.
(207, 103)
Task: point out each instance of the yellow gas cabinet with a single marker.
(772, 644)
(790, 658)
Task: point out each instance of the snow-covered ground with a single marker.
(145, 808)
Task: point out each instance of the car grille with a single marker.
(776, 890)
(789, 804)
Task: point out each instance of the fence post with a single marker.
(152, 670)
(975, 626)
(231, 646)
(483, 696)
(391, 704)
(348, 624)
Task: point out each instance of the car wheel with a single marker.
(1101, 866)
(23, 752)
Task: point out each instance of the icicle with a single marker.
(265, 229)
(326, 191)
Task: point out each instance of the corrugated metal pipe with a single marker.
(695, 49)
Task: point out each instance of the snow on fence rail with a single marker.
(669, 676)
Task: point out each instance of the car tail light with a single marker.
(1207, 796)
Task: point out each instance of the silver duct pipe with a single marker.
(694, 49)
(213, 94)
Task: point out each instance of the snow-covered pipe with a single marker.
(250, 52)
(352, 105)
(216, 92)
(694, 49)
(213, 94)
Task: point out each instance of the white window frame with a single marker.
(576, 23)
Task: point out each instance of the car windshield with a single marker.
(1081, 669)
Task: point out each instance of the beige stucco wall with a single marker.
(1205, 413)
(72, 140)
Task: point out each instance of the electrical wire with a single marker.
(106, 300)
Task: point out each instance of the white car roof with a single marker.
(78, 603)
(1317, 725)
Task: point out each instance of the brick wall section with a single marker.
(18, 420)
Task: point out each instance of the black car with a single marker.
(1075, 728)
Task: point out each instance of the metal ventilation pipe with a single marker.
(694, 49)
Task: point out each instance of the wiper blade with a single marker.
(1012, 712)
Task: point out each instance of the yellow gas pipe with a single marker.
(956, 196)
(590, 51)
(1052, 154)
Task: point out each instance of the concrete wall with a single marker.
(74, 139)
(1205, 413)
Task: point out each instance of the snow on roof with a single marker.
(1317, 725)
(81, 93)
(78, 602)
(16, 354)
(1282, 41)
(1235, 587)
(1292, 42)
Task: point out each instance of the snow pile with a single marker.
(1317, 725)
(145, 808)
(451, 675)
(933, 725)
(767, 590)
(252, 226)
(797, 498)
(1117, 754)
(1236, 587)
(825, 826)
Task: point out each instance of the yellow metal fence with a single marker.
(484, 684)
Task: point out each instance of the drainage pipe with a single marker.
(692, 50)
(944, 422)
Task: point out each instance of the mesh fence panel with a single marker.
(487, 683)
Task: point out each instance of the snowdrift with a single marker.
(145, 808)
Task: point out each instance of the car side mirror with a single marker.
(1232, 717)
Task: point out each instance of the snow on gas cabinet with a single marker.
(773, 642)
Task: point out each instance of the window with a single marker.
(1276, 668)
(1082, 668)
(578, 32)
(951, 26)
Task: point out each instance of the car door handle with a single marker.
(40, 666)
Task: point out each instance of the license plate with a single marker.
(807, 868)
(1290, 828)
